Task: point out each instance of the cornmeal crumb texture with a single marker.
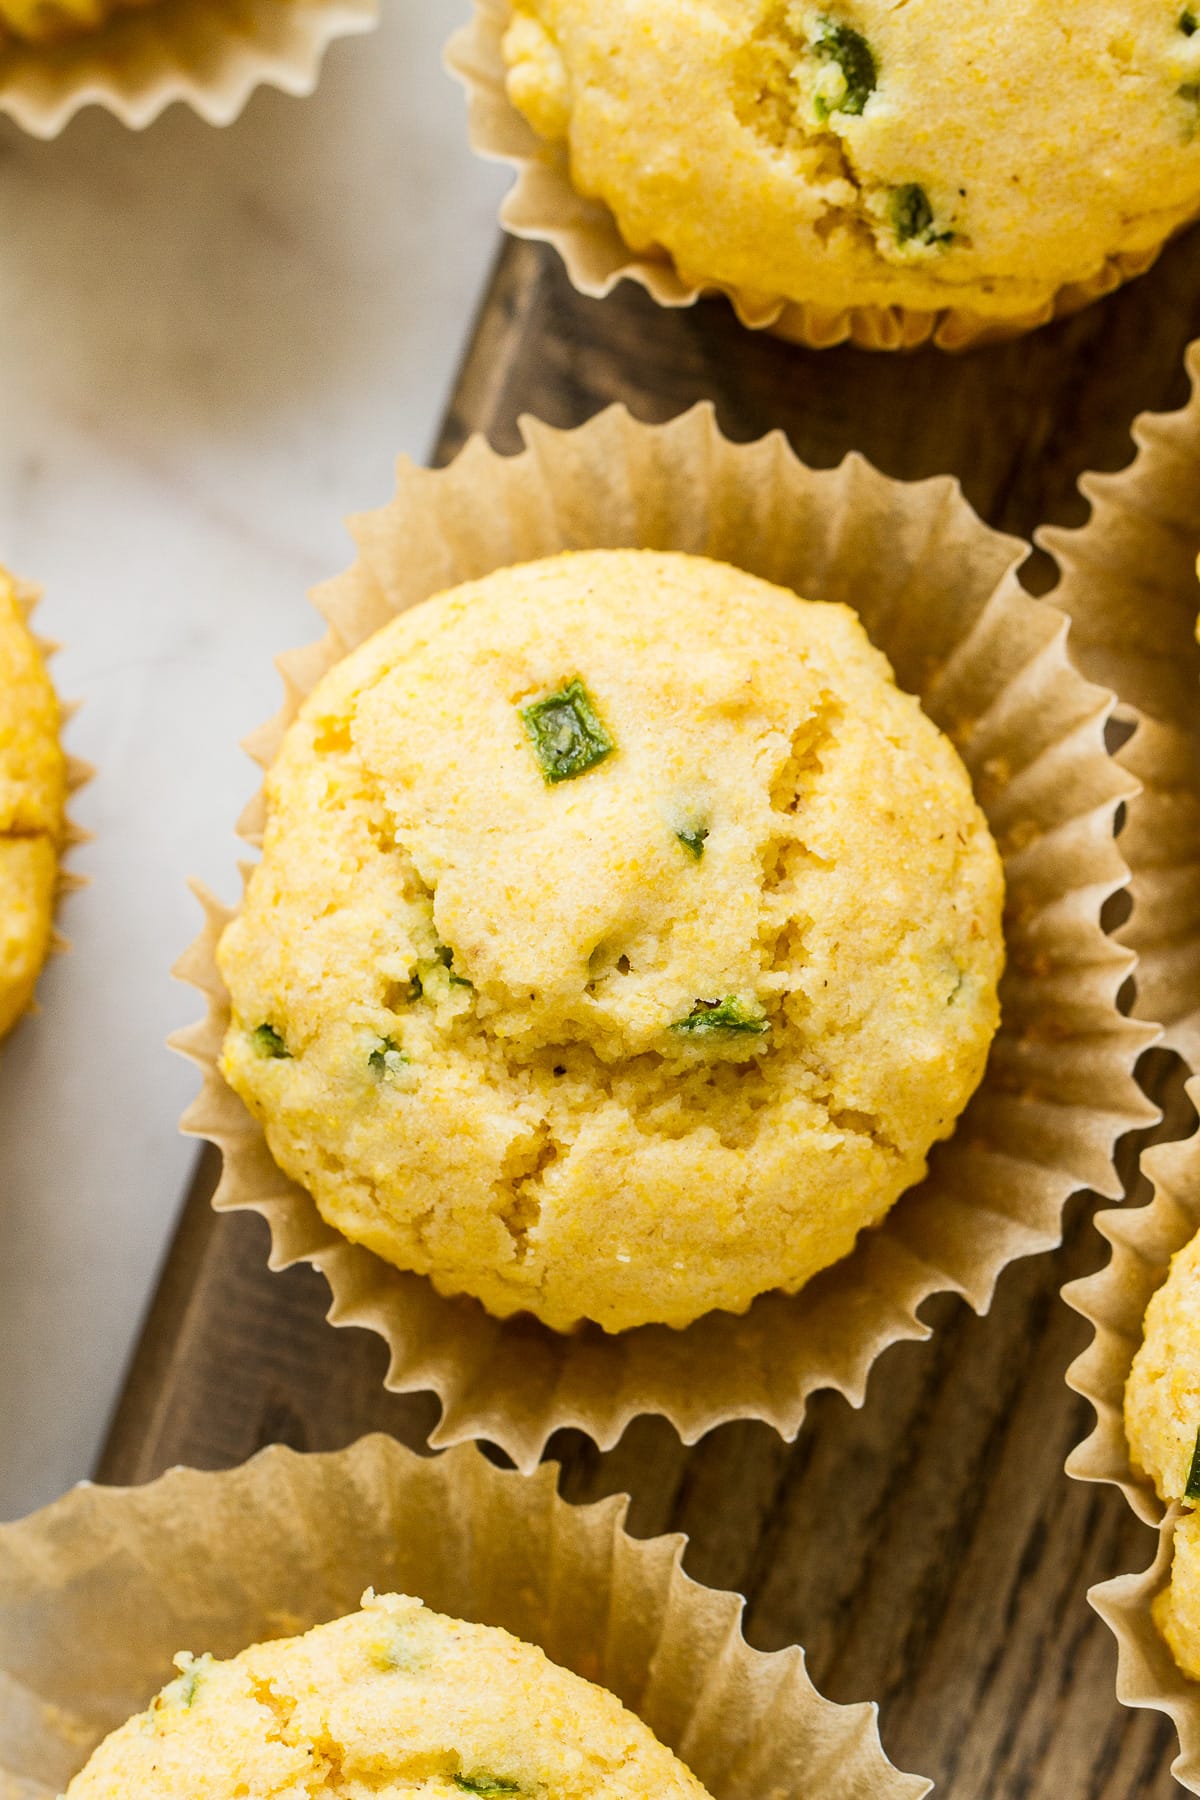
(32, 799)
(1162, 1422)
(56, 21)
(622, 941)
(392, 1701)
(939, 153)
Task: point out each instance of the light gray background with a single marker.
(213, 344)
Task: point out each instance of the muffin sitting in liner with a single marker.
(622, 942)
(946, 154)
(392, 1700)
(1162, 1423)
(33, 789)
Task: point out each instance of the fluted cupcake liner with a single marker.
(101, 1589)
(1129, 585)
(1114, 1301)
(938, 593)
(544, 205)
(211, 54)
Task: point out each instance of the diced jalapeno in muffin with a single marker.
(445, 956)
(1188, 23)
(487, 1785)
(718, 1018)
(182, 1691)
(693, 838)
(1192, 1488)
(567, 733)
(268, 1042)
(386, 1058)
(913, 218)
(851, 77)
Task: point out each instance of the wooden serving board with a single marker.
(928, 1551)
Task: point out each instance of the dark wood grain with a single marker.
(928, 1550)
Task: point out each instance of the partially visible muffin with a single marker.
(391, 1701)
(56, 21)
(955, 154)
(1162, 1424)
(623, 940)
(33, 789)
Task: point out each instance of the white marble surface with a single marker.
(213, 344)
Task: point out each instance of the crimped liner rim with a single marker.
(210, 54)
(1128, 583)
(1060, 1088)
(95, 1598)
(542, 205)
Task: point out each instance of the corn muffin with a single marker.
(54, 21)
(33, 787)
(392, 1700)
(939, 154)
(1162, 1424)
(622, 942)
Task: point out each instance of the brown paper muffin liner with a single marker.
(1143, 1239)
(542, 204)
(100, 1590)
(1129, 585)
(210, 53)
(938, 593)
(1128, 582)
(78, 772)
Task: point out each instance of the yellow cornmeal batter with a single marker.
(33, 785)
(1162, 1423)
(53, 21)
(391, 1701)
(939, 153)
(648, 1039)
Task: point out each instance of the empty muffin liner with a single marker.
(101, 1589)
(78, 772)
(542, 204)
(1114, 1300)
(210, 53)
(938, 592)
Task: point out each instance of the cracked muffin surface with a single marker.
(33, 787)
(622, 941)
(866, 154)
(393, 1700)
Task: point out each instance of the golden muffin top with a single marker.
(622, 941)
(33, 786)
(939, 153)
(391, 1701)
(1162, 1395)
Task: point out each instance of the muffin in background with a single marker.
(394, 1700)
(1162, 1424)
(981, 166)
(55, 21)
(33, 791)
(623, 941)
